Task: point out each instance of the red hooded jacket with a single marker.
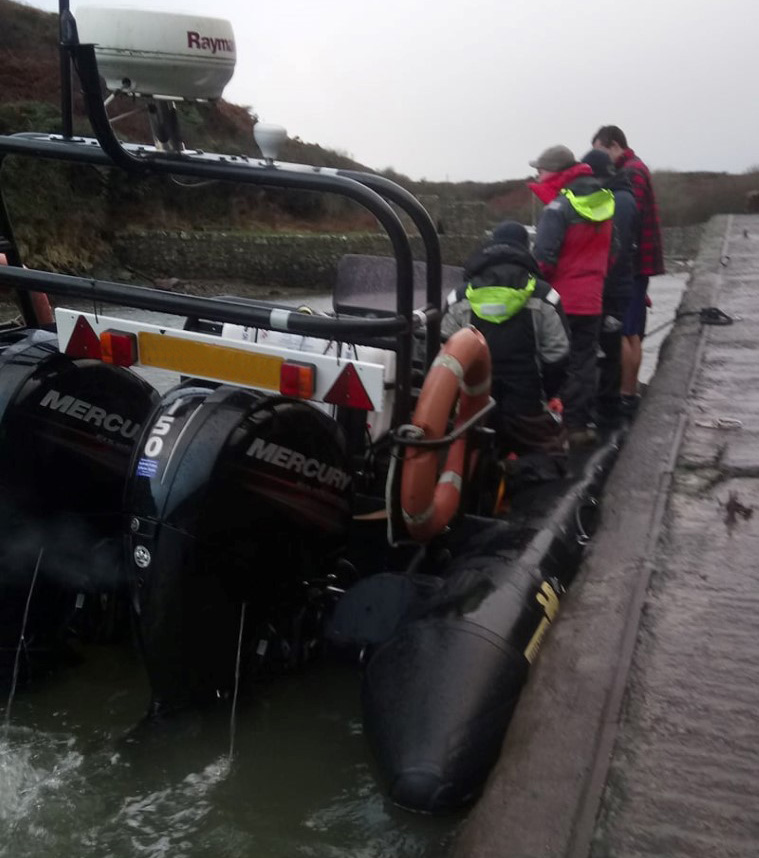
(574, 237)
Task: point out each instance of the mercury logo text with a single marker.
(89, 413)
(284, 457)
(209, 43)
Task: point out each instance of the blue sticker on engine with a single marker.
(147, 467)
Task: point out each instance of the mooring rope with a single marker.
(21, 642)
(233, 714)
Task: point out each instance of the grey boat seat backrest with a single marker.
(367, 284)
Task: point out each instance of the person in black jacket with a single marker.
(618, 285)
(522, 320)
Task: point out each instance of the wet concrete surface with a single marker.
(638, 732)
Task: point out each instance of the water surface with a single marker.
(77, 778)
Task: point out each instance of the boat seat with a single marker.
(366, 285)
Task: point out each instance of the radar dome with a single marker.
(163, 55)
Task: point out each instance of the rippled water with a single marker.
(79, 775)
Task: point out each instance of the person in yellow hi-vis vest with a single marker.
(521, 318)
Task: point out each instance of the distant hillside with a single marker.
(84, 207)
(28, 54)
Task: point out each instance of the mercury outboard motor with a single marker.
(67, 430)
(236, 499)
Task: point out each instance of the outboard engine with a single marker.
(240, 507)
(67, 430)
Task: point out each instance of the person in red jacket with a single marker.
(572, 247)
(649, 258)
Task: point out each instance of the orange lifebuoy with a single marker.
(42, 309)
(460, 372)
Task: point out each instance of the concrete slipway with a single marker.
(638, 732)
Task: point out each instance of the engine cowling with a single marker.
(67, 432)
(235, 497)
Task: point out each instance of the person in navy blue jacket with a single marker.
(648, 259)
(618, 284)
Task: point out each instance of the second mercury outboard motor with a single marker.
(240, 507)
(67, 430)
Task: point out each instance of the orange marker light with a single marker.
(118, 347)
(297, 379)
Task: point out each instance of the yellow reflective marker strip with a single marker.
(222, 363)
(549, 601)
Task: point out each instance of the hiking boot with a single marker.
(609, 412)
(629, 405)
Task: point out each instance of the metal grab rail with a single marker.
(362, 331)
(419, 215)
(85, 63)
(81, 150)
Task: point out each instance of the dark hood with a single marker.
(517, 260)
(583, 186)
(620, 181)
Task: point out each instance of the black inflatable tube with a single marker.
(439, 694)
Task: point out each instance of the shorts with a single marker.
(634, 322)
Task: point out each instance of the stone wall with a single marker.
(453, 217)
(681, 242)
(303, 262)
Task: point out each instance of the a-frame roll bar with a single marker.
(373, 192)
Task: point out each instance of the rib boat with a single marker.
(288, 496)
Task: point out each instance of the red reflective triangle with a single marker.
(349, 391)
(84, 342)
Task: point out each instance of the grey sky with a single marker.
(473, 90)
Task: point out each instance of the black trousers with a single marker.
(579, 391)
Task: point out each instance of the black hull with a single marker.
(438, 695)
